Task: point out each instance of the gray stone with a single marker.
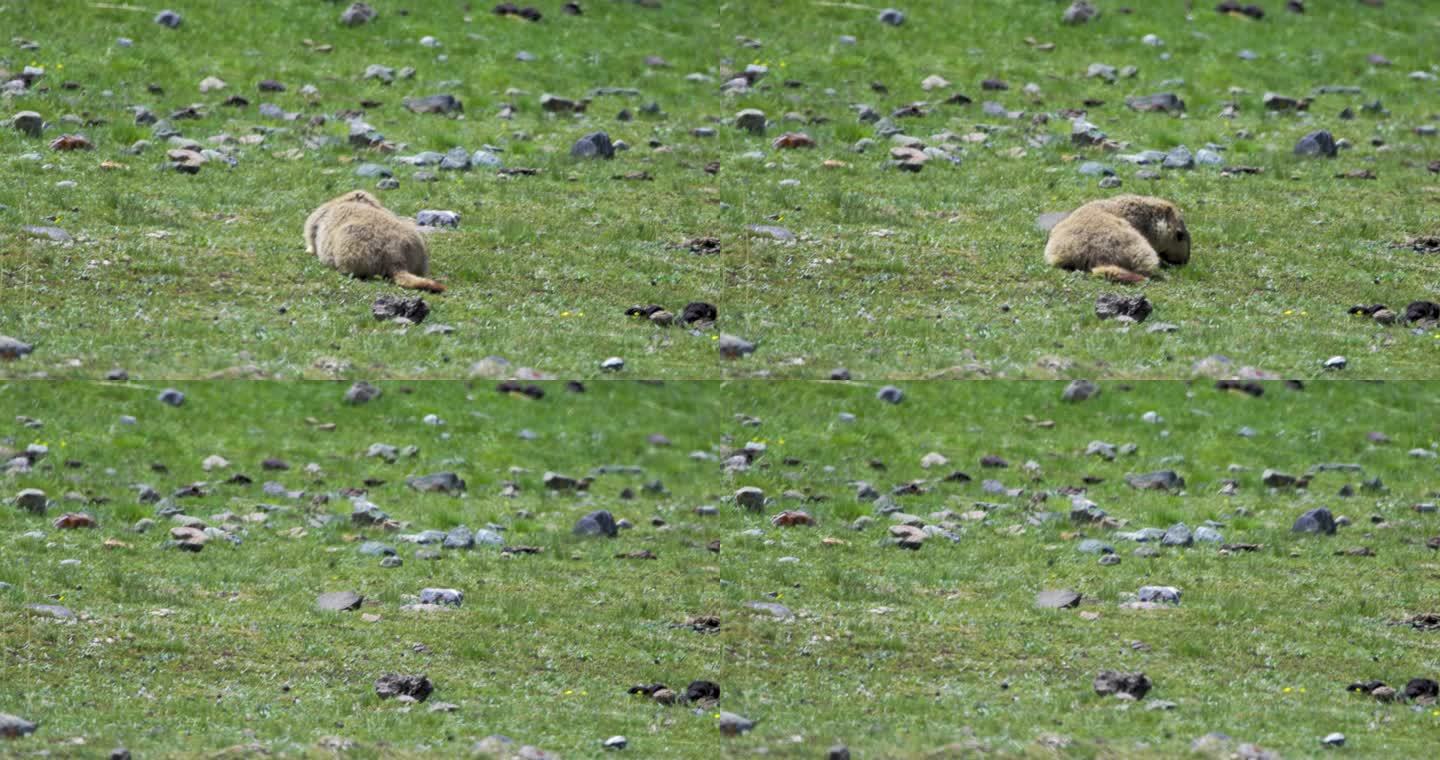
(1095, 169)
(361, 392)
(731, 724)
(1207, 157)
(486, 159)
(773, 609)
(1114, 305)
(593, 145)
(171, 396)
(1161, 480)
(615, 743)
(1334, 740)
(1315, 521)
(32, 500)
(597, 523)
(891, 17)
(15, 727)
(168, 19)
(890, 394)
(1179, 157)
(394, 685)
(373, 171)
(1101, 449)
(440, 482)
(1159, 594)
(441, 104)
(1335, 363)
(442, 596)
(459, 537)
(357, 14)
(1277, 479)
(339, 601)
(1079, 390)
(1080, 12)
(28, 123)
(1132, 685)
(751, 120)
(1165, 102)
(1319, 143)
(376, 549)
(733, 346)
(1178, 534)
(53, 611)
(437, 219)
(53, 234)
(1208, 534)
(750, 498)
(1094, 546)
(1057, 600)
(391, 561)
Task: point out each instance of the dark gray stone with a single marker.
(172, 397)
(432, 218)
(1132, 685)
(395, 684)
(892, 17)
(169, 19)
(1161, 480)
(14, 726)
(597, 523)
(1094, 546)
(441, 104)
(1317, 144)
(440, 482)
(1159, 594)
(357, 14)
(459, 537)
(1178, 534)
(1113, 305)
(1165, 102)
(1315, 521)
(444, 596)
(890, 394)
(594, 145)
(1079, 390)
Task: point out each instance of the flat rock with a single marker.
(1115, 305)
(339, 601)
(1161, 480)
(395, 685)
(1057, 600)
(440, 482)
(1132, 685)
(14, 726)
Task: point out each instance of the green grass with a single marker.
(893, 652)
(896, 275)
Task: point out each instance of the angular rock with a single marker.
(395, 685)
(448, 597)
(361, 392)
(1113, 305)
(593, 145)
(440, 482)
(1317, 144)
(1317, 520)
(1161, 480)
(1057, 600)
(441, 104)
(597, 523)
(339, 601)
(357, 14)
(1131, 685)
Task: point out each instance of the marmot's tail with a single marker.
(415, 282)
(1118, 274)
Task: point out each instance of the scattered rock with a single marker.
(890, 394)
(440, 482)
(339, 601)
(357, 14)
(1319, 143)
(1317, 520)
(388, 307)
(15, 727)
(1161, 480)
(594, 145)
(1079, 390)
(597, 523)
(1057, 600)
(168, 19)
(1128, 685)
(361, 393)
(1113, 305)
(1080, 12)
(396, 685)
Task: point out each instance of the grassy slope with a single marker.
(1279, 256)
(921, 673)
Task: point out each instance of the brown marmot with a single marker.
(1124, 238)
(356, 235)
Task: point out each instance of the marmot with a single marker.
(1124, 238)
(356, 235)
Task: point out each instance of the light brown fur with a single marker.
(356, 235)
(1125, 238)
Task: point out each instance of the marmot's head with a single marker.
(1168, 234)
(360, 196)
(1160, 222)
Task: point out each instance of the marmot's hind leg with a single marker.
(1118, 274)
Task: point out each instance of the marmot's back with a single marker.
(1124, 238)
(356, 235)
